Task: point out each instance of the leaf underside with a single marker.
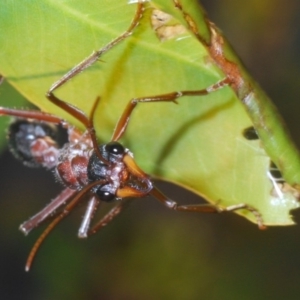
(197, 143)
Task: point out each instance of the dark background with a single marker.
(150, 252)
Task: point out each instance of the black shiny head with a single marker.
(22, 133)
(110, 172)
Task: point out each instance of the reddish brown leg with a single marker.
(170, 97)
(69, 207)
(110, 216)
(206, 208)
(37, 219)
(32, 114)
(87, 62)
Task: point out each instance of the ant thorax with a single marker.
(73, 158)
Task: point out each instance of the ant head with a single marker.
(112, 169)
(121, 175)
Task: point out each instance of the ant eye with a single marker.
(105, 195)
(114, 148)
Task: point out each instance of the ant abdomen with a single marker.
(36, 144)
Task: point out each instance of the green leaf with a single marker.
(197, 144)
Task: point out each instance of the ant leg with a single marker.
(170, 97)
(110, 216)
(89, 213)
(206, 208)
(69, 207)
(37, 219)
(87, 62)
(32, 114)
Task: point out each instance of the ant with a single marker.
(105, 172)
